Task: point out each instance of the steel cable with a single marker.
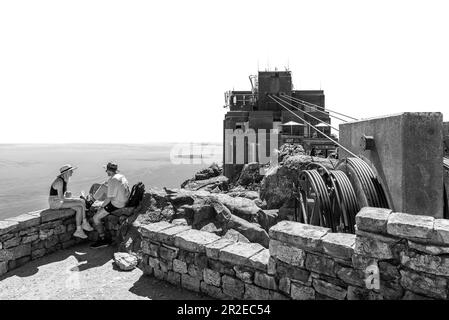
(321, 121)
(370, 184)
(325, 135)
(317, 106)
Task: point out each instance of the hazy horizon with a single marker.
(28, 170)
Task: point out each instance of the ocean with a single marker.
(27, 170)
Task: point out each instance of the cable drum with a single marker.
(314, 199)
(342, 198)
(370, 185)
(345, 199)
(332, 199)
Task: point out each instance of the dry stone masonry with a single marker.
(35, 234)
(391, 256)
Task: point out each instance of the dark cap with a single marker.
(111, 166)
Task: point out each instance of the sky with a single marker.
(156, 71)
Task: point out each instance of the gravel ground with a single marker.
(84, 273)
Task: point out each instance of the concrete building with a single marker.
(255, 125)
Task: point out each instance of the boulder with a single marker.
(125, 261)
(128, 235)
(184, 212)
(288, 150)
(235, 236)
(202, 212)
(250, 174)
(182, 197)
(180, 221)
(227, 220)
(210, 184)
(268, 218)
(281, 180)
(251, 231)
(262, 204)
(241, 207)
(212, 228)
(155, 206)
(222, 213)
(248, 194)
(212, 171)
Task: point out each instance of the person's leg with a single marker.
(78, 206)
(98, 224)
(81, 223)
(102, 240)
(78, 218)
(81, 220)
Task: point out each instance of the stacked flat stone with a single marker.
(203, 262)
(313, 263)
(35, 234)
(410, 251)
(407, 254)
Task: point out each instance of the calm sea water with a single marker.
(26, 171)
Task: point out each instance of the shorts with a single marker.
(110, 208)
(55, 203)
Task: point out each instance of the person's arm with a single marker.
(58, 186)
(112, 192)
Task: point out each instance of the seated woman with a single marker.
(60, 198)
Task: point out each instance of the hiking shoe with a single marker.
(100, 243)
(79, 233)
(86, 226)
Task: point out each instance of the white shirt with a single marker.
(118, 190)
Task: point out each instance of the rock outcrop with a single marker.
(288, 150)
(207, 179)
(280, 181)
(125, 261)
(250, 175)
(209, 202)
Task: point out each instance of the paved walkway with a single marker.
(84, 273)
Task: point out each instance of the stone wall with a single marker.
(35, 234)
(392, 256)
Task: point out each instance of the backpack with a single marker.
(136, 195)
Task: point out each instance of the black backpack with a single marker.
(136, 195)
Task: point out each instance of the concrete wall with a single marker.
(392, 256)
(407, 156)
(36, 234)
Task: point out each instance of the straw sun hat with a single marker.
(65, 168)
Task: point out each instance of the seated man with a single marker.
(116, 198)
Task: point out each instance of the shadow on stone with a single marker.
(155, 289)
(81, 251)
